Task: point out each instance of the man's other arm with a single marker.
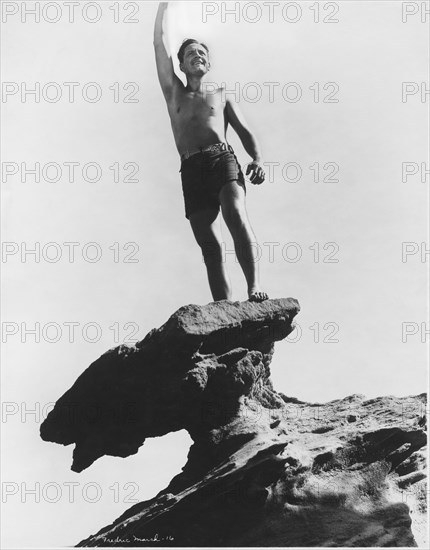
(166, 73)
(238, 123)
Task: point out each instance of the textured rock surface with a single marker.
(264, 469)
(201, 357)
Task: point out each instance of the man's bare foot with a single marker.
(257, 296)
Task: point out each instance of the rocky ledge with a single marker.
(264, 469)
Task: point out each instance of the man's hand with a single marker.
(257, 173)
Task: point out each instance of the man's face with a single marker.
(196, 60)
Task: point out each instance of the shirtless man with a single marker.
(210, 173)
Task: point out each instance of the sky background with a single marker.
(365, 296)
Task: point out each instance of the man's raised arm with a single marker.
(166, 73)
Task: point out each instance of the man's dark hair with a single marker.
(186, 43)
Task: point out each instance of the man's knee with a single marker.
(206, 232)
(211, 251)
(234, 216)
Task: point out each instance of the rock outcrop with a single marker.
(264, 469)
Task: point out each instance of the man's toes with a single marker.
(258, 296)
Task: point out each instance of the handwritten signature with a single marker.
(155, 538)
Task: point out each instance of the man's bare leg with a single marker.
(232, 199)
(207, 231)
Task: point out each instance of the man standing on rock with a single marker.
(210, 173)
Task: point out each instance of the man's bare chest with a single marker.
(197, 106)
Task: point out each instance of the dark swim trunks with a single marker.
(203, 175)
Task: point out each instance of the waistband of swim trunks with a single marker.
(221, 146)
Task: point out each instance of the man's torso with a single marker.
(198, 118)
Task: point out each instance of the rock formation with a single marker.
(264, 469)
